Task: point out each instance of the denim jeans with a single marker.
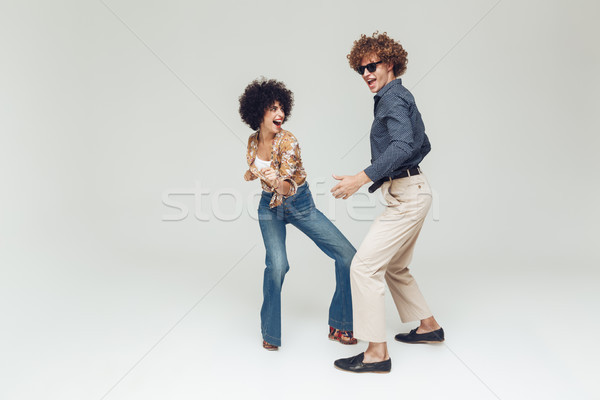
(300, 211)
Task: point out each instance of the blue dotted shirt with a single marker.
(398, 139)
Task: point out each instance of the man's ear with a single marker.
(390, 67)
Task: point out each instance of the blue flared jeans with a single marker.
(300, 211)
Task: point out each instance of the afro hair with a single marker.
(261, 94)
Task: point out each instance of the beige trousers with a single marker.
(386, 253)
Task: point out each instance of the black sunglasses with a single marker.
(371, 67)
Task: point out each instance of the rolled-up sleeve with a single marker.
(290, 157)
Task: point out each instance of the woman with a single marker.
(273, 155)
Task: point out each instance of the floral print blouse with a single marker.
(285, 158)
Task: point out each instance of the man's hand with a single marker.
(349, 184)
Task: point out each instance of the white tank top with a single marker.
(260, 164)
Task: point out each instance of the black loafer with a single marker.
(356, 364)
(414, 337)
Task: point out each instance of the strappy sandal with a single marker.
(270, 346)
(344, 337)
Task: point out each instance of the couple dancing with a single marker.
(398, 144)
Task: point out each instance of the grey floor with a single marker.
(95, 327)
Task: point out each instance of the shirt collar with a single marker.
(387, 87)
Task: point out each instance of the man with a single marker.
(398, 145)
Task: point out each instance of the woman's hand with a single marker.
(271, 177)
(249, 176)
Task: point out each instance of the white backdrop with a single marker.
(109, 109)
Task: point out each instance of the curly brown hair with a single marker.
(379, 44)
(261, 94)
